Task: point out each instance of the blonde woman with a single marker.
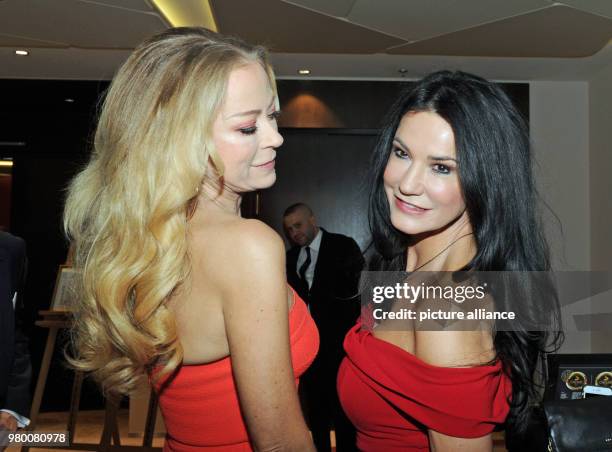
(175, 283)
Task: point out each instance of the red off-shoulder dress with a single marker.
(200, 403)
(392, 397)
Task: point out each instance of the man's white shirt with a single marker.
(314, 254)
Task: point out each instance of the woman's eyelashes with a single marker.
(250, 130)
(400, 153)
(441, 169)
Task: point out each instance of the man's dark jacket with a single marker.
(15, 368)
(332, 298)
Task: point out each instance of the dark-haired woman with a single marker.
(452, 189)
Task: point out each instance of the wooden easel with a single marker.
(57, 320)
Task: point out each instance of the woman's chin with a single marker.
(252, 185)
(410, 226)
(410, 230)
(267, 182)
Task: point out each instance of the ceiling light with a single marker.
(69, 100)
(22, 52)
(304, 71)
(187, 13)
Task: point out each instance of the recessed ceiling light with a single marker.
(69, 100)
(22, 52)
(304, 71)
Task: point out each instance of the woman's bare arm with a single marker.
(455, 349)
(439, 442)
(255, 312)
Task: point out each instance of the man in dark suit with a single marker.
(324, 269)
(15, 367)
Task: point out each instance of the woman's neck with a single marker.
(450, 248)
(216, 197)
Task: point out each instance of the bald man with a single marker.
(324, 270)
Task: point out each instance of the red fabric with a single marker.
(392, 397)
(200, 404)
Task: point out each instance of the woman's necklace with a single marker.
(451, 244)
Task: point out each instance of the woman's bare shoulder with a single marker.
(454, 348)
(251, 238)
(246, 247)
(236, 235)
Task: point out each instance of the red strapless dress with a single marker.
(392, 397)
(200, 404)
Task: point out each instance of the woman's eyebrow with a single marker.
(251, 112)
(245, 113)
(402, 144)
(441, 158)
(437, 158)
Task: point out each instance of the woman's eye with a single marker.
(442, 169)
(252, 129)
(248, 130)
(400, 153)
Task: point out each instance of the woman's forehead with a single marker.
(248, 88)
(426, 132)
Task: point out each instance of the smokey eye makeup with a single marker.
(251, 129)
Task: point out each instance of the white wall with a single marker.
(600, 137)
(559, 125)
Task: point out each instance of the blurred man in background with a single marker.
(324, 269)
(15, 366)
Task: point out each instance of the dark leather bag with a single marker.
(583, 425)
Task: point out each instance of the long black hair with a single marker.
(495, 173)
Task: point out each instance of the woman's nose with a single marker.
(412, 181)
(272, 138)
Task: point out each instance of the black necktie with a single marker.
(304, 267)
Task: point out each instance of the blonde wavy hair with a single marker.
(127, 212)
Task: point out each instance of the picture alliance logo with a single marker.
(441, 314)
